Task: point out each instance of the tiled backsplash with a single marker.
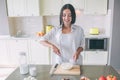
(31, 25)
(86, 22)
(26, 25)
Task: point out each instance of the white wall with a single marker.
(4, 28)
(115, 42)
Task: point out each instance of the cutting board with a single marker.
(74, 71)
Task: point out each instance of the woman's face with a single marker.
(67, 17)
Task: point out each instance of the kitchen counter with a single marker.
(19, 37)
(97, 36)
(91, 71)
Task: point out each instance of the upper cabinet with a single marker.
(53, 7)
(89, 6)
(23, 8)
(50, 7)
(33, 8)
(78, 4)
(95, 7)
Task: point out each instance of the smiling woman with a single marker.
(64, 39)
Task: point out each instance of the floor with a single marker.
(4, 72)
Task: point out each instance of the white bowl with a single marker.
(66, 66)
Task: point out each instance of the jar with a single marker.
(32, 70)
(23, 63)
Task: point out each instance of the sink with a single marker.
(22, 36)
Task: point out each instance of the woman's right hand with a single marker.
(56, 50)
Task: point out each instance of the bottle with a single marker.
(23, 63)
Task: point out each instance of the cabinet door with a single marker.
(32, 8)
(78, 4)
(95, 7)
(20, 7)
(14, 48)
(3, 53)
(23, 7)
(96, 57)
(16, 7)
(50, 8)
(39, 54)
(83, 57)
(10, 7)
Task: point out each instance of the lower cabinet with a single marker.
(10, 49)
(3, 52)
(95, 57)
(15, 46)
(38, 53)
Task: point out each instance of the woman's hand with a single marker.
(75, 56)
(77, 53)
(56, 50)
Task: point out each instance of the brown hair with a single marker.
(71, 8)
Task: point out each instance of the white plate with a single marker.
(66, 66)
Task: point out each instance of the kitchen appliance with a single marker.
(48, 28)
(94, 31)
(96, 44)
(54, 67)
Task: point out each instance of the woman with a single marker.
(67, 39)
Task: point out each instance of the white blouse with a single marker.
(66, 43)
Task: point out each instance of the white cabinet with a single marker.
(95, 57)
(16, 7)
(95, 7)
(10, 49)
(33, 8)
(3, 52)
(23, 7)
(14, 48)
(54, 6)
(50, 8)
(39, 54)
(78, 4)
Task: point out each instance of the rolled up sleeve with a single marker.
(48, 36)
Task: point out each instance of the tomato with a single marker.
(102, 78)
(111, 77)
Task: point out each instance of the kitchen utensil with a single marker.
(54, 67)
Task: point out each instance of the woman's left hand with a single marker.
(75, 56)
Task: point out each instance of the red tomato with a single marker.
(102, 78)
(111, 77)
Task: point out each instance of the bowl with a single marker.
(66, 66)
